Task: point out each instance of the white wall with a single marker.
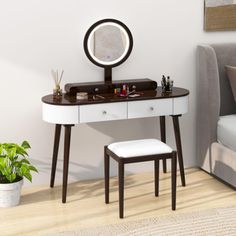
(37, 36)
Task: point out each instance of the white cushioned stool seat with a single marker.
(142, 147)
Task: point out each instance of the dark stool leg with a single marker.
(156, 171)
(106, 174)
(163, 138)
(55, 153)
(179, 148)
(121, 189)
(173, 179)
(66, 160)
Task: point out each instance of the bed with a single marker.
(216, 112)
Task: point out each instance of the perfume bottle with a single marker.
(123, 89)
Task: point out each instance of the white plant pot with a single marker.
(10, 194)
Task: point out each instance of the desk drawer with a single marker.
(103, 112)
(60, 114)
(180, 105)
(149, 108)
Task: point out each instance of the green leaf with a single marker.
(25, 145)
(8, 170)
(24, 161)
(33, 168)
(28, 176)
(11, 152)
(16, 164)
(2, 162)
(1, 149)
(24, 169)
(21, 151)
(11, 177)
(19, 172)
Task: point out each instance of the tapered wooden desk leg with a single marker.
(179, 147)
(107, 173)
(156, 171)
(55, 153)
(163, 138)
(66, 160)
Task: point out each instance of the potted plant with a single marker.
(14, 166)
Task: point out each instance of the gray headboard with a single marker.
(214, 95)
(226, 55)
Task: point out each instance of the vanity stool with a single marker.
(138, 151)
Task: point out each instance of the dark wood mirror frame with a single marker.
(108, 68)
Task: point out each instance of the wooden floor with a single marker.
(42, 212)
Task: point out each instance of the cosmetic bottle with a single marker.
(163, 83)
(123, 89)
(127, 90)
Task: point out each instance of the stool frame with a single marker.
(127, 160)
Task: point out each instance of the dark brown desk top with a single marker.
(109, 98)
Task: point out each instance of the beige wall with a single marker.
(36, 36)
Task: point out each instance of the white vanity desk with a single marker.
(68, 111)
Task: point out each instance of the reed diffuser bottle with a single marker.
(57, 91)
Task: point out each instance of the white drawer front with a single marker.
(180, 105)
(149, 108)
(103, 112)
(60, 114)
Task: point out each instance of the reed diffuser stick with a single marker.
(61, 76)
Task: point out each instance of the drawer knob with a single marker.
(104, 112)
(152, 108)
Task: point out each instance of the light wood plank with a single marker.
(41, 210)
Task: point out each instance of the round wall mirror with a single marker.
(107, 44)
